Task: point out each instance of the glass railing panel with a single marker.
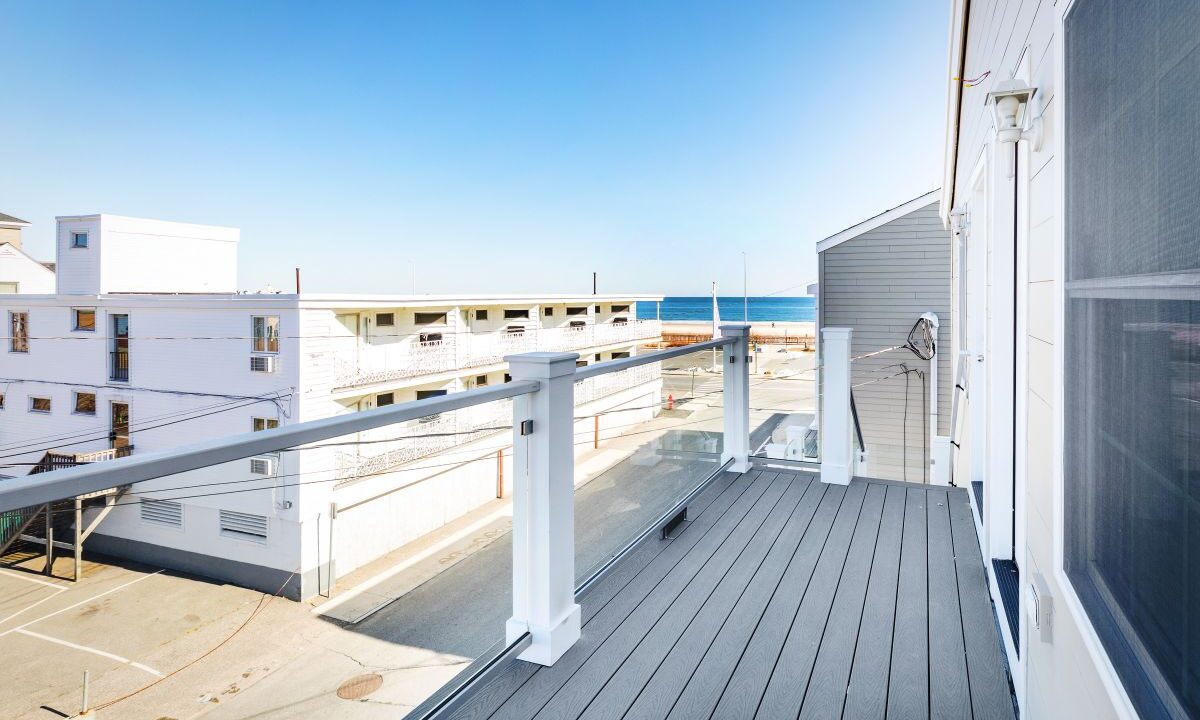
(783, 400)
(331, 579)
(645, 438)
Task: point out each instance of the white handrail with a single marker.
(609, 366)
(70, 482)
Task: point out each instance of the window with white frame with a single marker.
(83, 319)
(259, 424)
(79, 239)
(18, 325)
(1131, 325)
(385, 319)
(266, 333)
(39, 404)
(1, 401)
(85, 403)
(429, 318)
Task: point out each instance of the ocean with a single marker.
(762, 309)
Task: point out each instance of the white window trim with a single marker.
(12, 338)
(75, 325)
(278, 339)
(75, 403)
(87, 239)
(266, 420)
(1070, 598)
(41, 412)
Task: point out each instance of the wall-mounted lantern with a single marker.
(1010, 115)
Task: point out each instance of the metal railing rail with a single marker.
(70, 482)
(609, 366)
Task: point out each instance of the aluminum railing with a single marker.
(542, 392)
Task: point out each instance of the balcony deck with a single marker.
(781, 597)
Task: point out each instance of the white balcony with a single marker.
(366, 363)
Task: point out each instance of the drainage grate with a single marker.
(360, 686)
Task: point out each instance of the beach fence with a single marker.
(764, 336)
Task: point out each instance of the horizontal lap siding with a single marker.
(879, 283)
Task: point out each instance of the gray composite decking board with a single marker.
(826, 692)
(741, 693)
(684, 591)
(789, 682)
(908, 684)
(949, 689)
(866, 694)
(691, 610)
(668, 569)
(990, 697)
(708, 508)
(704, 669)
(782, 597)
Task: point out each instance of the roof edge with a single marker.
(882, 218)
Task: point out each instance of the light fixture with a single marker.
(1010, 114)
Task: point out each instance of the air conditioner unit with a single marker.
(263, 465)
(262, 363)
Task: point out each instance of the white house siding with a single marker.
(879, 283)
(30, 276)
(199, 347)
(1060, 674)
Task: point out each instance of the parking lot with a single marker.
(129, 627)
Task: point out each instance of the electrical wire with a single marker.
(44, 440)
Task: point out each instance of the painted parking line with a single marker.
(27, 578)
(91, 650)
(31, 606)
(81, 602)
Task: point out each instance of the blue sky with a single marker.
(493, 146)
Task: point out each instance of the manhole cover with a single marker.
(360, 686)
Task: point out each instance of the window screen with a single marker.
(1132, 341)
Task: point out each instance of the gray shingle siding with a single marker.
(879, 283)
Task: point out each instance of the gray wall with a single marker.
(879, 283)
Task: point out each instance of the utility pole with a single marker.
(593, 282)
(745, 296)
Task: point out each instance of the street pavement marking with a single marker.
(327, 607)
(31, 606)
(19, 576)
(81, 602)
(92, 650)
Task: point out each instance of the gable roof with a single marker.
(27, 256)
(882, 218)
(10, 220)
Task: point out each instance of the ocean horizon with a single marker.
(761, 309)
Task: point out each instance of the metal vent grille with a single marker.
(262, 465)
(162, 512)
(262, 363)
(244, 526)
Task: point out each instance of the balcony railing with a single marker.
(367, 363)
(119, 365)
(541, 399)
(429, 436)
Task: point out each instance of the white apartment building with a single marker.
(20, 273)
(147, 344)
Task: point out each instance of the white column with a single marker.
(837, 425)
(543, 534)
(736, 445)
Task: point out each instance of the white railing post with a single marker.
(543, 534)
(837, 425)
(736, 445)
